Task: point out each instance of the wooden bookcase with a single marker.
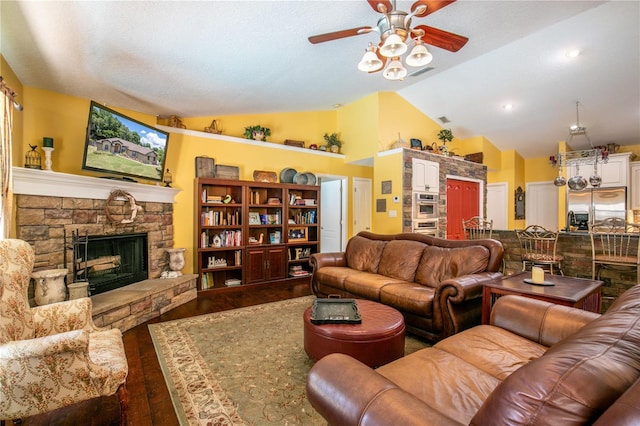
(253, 232)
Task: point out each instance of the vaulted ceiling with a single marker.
(240, 57)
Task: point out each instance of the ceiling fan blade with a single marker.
(375, 4)
(321, 38)
(442, 39)
(432, 6)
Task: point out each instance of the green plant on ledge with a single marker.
(257, 132)
(445, 135)
(333, 142)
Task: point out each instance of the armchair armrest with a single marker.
(40, 347)
(63, 316)
(542, 322)
(346, 392)
(457, 303)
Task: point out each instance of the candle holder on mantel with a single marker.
(47, 147)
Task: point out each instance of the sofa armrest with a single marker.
(322, 260)
(542, 322)
(346, 392)
(465, 290)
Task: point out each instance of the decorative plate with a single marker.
(530, 281)
(311, 178)
(300, 178)
(287, 175)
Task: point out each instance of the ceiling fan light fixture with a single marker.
(419, 55)
(393, 46)
(370, 61)
(395, 70)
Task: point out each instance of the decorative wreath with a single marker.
(118, 193)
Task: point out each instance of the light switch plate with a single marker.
(393, 213)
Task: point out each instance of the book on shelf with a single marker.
(298, 271)
(232, 282)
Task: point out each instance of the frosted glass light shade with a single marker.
(393, 46)
(370, 62)
(395, 70)
(419, 56)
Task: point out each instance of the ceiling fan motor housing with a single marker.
(394, 23)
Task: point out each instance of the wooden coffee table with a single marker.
(378, 340)
(568, 291)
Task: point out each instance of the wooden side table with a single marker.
(579, 293)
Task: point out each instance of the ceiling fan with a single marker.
(395, 31)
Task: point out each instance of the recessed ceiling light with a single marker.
(507, 107)
(573, 53)
(337, 105)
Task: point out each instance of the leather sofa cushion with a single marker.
(364, 254)
(578, 378)
(409, 297)
(367, 285)
(400, 259)
(456, 375)
(438, 263)
(334, 276)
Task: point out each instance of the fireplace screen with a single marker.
(112, 261)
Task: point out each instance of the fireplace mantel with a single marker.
(55, 184)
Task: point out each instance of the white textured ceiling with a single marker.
(240, 57)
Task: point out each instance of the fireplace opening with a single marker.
(113, 261)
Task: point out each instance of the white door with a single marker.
(331, 220)
(498, 205)
(541, 205)
(361, 205)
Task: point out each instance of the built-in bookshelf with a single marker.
(254, 232)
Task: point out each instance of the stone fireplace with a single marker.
(51, 207)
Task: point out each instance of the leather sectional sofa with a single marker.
(436, 284)
(535, 364)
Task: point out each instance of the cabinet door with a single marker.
(425, 176)
(615, 172)
(275, 262)
(635, 185)
(256, 265)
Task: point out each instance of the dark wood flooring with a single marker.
(149, 400)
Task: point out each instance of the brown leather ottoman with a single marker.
(378, 340)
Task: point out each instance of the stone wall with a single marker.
(449, 167)
(576, 249)
(42, 222)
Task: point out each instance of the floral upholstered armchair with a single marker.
(51, 356)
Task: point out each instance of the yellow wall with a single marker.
(17, 155)
(64, 118)
(388, 168)
(358, 124)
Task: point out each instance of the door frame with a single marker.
(343, 204)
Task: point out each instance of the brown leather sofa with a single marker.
(436, 284)
(535, 364)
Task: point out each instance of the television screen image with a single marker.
(121, 145)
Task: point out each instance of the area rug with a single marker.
(241, 367)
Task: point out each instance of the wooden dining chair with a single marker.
(615, 244)
(538, 248)
(477, 228)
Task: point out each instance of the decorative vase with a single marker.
(78, 290)
(176, 262)
(50, 286)
(334, 148)
(259, 136)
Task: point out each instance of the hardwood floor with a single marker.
(149, 400)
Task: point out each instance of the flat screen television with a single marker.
(120, 145)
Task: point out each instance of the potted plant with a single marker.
(333, 142)
(445, 135)
(257, 132)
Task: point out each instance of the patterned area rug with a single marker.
(241, 367)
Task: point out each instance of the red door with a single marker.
(463, 202)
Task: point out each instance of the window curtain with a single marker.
(6, 184)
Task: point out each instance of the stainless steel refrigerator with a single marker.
(591, 205)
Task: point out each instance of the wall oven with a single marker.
(425, 206)
(427, 226)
